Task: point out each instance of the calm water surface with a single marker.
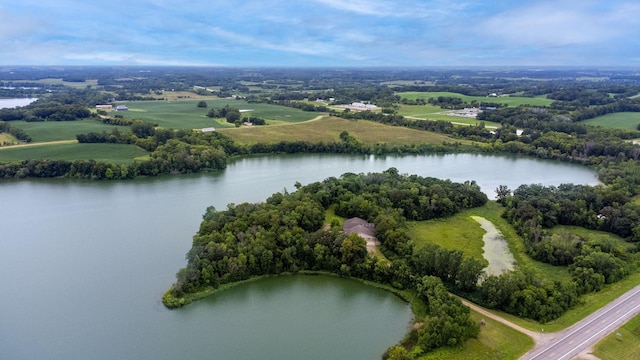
(83, 265)
(12, 103)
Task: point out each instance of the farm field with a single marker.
(621, 120)
(431, 112)
(626, 346)
(116, 153)
(52, 81)
(328, 129)
(508, 100)
(46, 131)
(184, 114)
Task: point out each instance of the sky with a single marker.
(353, 33)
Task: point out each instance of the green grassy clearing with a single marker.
(328, 129)
(495, 341)
(600, 236)
(621, 120)
(625, 347)
(46, 131)
(184, 114)
(508, 100)
(458, 232)
(116, 153)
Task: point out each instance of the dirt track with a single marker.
(39, 144)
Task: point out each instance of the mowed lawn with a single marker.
(45, 131)
(621, 120)
(625, 346)
(328, 129)
(508, 100)
(116, 153)
(184, 114)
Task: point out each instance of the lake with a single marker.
(12, 103)
(83, 265)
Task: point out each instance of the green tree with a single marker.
(202, 104)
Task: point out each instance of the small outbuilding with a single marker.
(122, 108)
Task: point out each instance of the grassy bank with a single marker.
(622, 344)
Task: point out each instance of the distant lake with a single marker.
(12, 103)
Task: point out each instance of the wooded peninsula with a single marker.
(125, 123)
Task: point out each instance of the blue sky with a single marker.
(320, 32)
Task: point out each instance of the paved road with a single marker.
(569, 343)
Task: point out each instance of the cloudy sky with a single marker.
(320, 32)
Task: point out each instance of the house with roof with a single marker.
(122, 108)
(364, 229)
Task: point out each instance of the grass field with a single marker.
(509, 100)
(116, 153)
(621, 120)
(459, 232)
(63, 130)
(328, 129)
(601, 236)
(624, 347)
(432, 112)
(495, 341)
(7, 139)
(184, 114)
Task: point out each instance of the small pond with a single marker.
(496, 249)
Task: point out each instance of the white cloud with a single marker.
(300, 46)
(398, 9)
(15, 26)
(564, 23)
(130, 59)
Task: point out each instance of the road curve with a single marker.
(570, 342)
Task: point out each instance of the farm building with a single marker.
(105, 107)
(122, 108)
(359, 105)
